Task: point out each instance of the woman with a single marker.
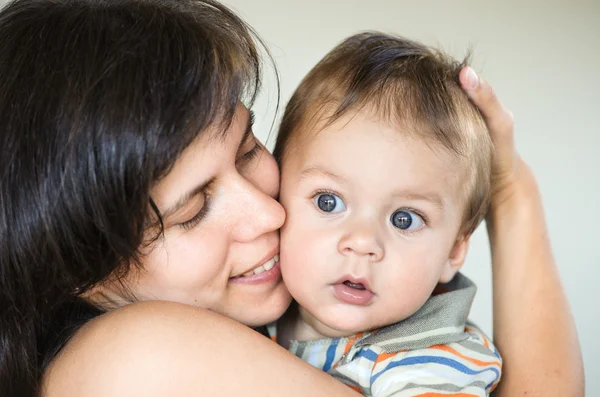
(130, 173)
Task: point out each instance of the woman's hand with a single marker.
(510, 174)
(533, 327)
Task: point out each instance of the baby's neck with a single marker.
(298, 324)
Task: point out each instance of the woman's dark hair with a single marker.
(98, 99)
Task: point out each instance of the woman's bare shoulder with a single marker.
(128, 347)
(165, 348)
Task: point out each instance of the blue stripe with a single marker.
(497, 353)
(330, 355)
(435, 360)
(368, 354)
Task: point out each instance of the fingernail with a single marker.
(472, 79)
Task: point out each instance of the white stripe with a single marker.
(421, 390)
(315, 358)
(466, 351)
(396, 378)
(361, 374)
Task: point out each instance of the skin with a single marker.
(356, 241)
(229, 226)
(195, 342)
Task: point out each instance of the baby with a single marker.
(385, 175)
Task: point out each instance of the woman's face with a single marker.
(220, 248)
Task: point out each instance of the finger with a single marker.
(498, 118)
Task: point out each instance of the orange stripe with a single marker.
(357, 388)
(349, 344)
(485, 341)
(384, 356)
(469, 359)
(351, 341)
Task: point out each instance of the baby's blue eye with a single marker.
(329, 203)
(406, 220)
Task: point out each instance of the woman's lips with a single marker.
(265, 276)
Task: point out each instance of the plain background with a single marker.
(543, 59)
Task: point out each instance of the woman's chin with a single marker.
(265, 312)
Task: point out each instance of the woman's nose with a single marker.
(259, 213)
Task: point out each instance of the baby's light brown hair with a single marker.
(408, 85)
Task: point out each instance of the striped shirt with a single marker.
(435, 352)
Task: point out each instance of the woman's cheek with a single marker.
(194, 259)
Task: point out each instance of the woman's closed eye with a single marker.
(251, 145)
(250, 154)
(198, 217)
(201, 214)
(255, 149)
(202, 206)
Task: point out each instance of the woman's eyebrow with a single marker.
(185, 198)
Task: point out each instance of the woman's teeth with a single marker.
(264, 267)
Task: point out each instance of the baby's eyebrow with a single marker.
(432, 197)
(314, 170)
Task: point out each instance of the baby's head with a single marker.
(385, 174)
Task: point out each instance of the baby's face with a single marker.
(372, 223)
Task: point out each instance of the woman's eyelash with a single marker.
(203, 211)
(252, 153)
(199, 216)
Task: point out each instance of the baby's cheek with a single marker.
(288, 254)
(297, 258)
(410, 285)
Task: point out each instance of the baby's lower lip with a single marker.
(353, 296)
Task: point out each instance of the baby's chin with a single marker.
(339, 326)
(342, 330)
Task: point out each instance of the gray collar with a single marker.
(440, 320)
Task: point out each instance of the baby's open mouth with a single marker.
(355, 291)
(358, 286)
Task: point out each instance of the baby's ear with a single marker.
(455, 259)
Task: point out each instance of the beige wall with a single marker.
(543, 58)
